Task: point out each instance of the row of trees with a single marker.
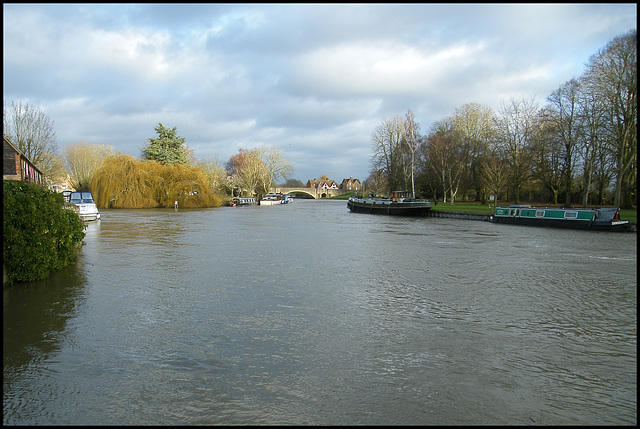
(581, 145)
(166, 172)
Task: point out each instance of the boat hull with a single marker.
(391, 208)
(90, 216)
(270, 202)
(568, 224)
(275, 199)
(244, 201)
(87, 209)
(605, 219)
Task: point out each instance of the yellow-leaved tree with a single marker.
(125, 182)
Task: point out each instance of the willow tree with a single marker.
(124, 182)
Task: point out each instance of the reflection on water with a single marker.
(309, 314)
(35, 325)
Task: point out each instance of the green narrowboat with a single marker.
(603, 219)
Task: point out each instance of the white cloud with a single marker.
(144, 53)
(365, 68)
(313, 80)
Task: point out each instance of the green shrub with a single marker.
(38, 235)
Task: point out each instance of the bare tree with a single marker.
(443, 154)
(591, 139)
(247, 172)
(31, 130)
(388, 152)
(412, 142)
(215, 173)
(494, 175)
(83, 160)
(564, 104)
(516, 125)
(54, 170)
(612, 75)
(375, 183)
(474, 127)
(276, 165)
(547, 153)
(254, 171)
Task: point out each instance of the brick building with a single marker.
(16, 166)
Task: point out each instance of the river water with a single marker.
(307, 314)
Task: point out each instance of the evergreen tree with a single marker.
(167, 148)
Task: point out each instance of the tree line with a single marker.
(579, 147)
(167, 170)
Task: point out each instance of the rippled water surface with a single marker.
(309, 314)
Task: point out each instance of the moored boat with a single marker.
(244, 201)
(87, 208)
(397, 205)
(602, 219)
(275, 199)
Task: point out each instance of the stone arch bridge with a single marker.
(315, 193)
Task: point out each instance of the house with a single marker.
(351, 184)
(322, 184)
(16, 166)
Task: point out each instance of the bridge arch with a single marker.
(300, 191)
(314, 193)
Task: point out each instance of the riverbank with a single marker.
(478, 208)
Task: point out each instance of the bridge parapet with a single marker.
(316, 193)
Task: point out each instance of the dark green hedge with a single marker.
(38, 235)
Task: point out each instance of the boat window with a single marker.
(571, 214)
(539, 213)
(75, 197)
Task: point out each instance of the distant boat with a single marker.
(244, 201)
(603, 219)
(397, 205)
(275, 199)
(87, 208)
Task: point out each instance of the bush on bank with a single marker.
(39, 235)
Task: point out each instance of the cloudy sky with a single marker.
(314, 80)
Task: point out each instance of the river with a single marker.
(307, 314)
